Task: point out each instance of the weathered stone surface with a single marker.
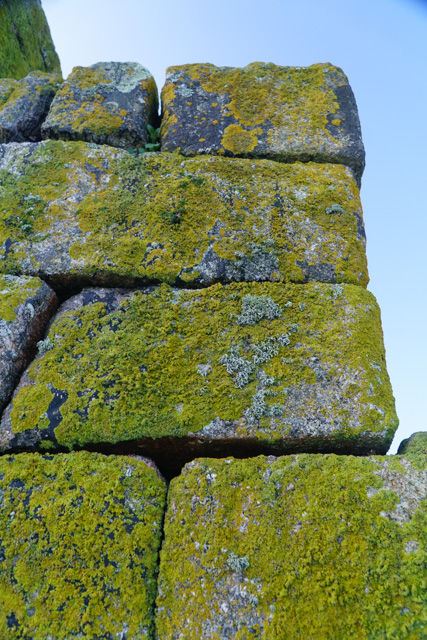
(26, 43)
(26, 304)
(262, 110)
(415, 446)
(26, 106)
(308, 546)
(230, 370)
(74, 214)
(79, 542)
(107, 103)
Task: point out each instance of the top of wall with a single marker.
(26, 43)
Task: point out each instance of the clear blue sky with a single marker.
(381, 46)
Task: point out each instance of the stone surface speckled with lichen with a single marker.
(308, 546)
(25, 108)
(107, 103)
(73, 214)
(173, 373)
(26, 43)
(26, 305)
(79, 542)
(415, 446)
(263, 110)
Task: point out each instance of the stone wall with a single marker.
(195, 401)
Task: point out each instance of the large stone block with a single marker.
(262, 110)
(234, 370)
(26, 43)
(79, 542)
(107, 103)
(75, 214)
(24, 106)
(308, 546)
(26, 305)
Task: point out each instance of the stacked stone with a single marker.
(212, 303)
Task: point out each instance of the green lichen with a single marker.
(79, 539)
(25, 40)
(155, 217)
(15, 291)
(267, 103)
(415, 447)
(135, 372)
(325, 555)
(7, 86)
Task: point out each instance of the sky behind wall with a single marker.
(381, 46)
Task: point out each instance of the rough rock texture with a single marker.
(107, 103)
(415, 446)
(71, 213)
(26, 43)
(227, 370)
(26, 106)
(79, 542)
(308, 546)
(262, 110)
(26, 305)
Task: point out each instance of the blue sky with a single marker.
(380, 45)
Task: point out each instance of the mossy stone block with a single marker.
(26, 43)
(307, 546)
(26, 305)
(26, 106)
(228, 370)
(263, 110)
(79, 542)
(416, 447)
(107, 103)
(77, 214)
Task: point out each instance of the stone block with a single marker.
(26, 305)
(78, 215)
(415, 446)
(307, 546)
(26, 43)
(79, 542)
(106, 103)
(233, 370)
(264, 111)
(26, 106)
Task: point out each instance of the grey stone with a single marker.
(107, 103)
(263, 110)
(25, 108)
(26, 305)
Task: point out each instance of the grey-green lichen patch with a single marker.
(26, 43)
(263, 110)
(308, 373)
(107, 103)
(304, 546)
(26, 304)
(24, 108)
(70, 211)
(416, 447)
(79, 542)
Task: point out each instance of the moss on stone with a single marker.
(25, 40)
(308, 546)
(79, 540)
(72, 209)
(173, 362)
(416, 448)
(14, 292)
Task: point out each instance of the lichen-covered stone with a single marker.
(262, 110)
(416, 447)
(107, 103)
(26, 304)
(26, 43)
(26, 106)
(237, 369)
(75, 214)
(300, 547)
(79, 542)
